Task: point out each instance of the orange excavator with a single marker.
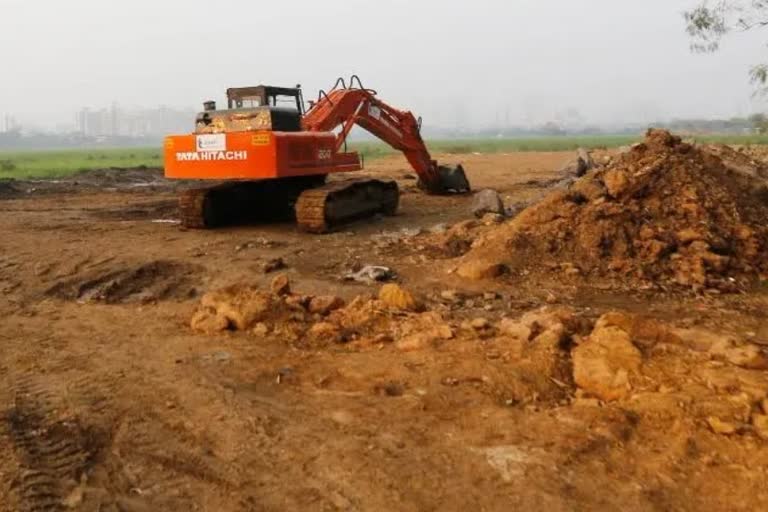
(269, 157)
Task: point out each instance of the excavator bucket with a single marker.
(453, 179)
(450, 180)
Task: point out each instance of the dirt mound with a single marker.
(665, 212)
(157, 280)
(395, 316)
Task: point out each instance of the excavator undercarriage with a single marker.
(316, 206)
(271, 162)
(321, 209)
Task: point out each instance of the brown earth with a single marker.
(664, 213)
(316, 393)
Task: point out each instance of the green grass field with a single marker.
(53, 164)
(464, 146)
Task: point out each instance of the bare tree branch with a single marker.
(710, 21)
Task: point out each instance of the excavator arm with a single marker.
(346, 107)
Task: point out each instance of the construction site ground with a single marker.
(111, 402)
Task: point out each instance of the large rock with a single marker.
(324, 331)
(420, 331)
(324, 304)
(492, 219)
(645, 332)
(760, 425)
(580, 165)
(538, 342)
(721, 427)
(207, 321)
(487, 201)
(397, 297)
(358, 314)
(589, 189)
(280, 285)
(604, 363)
(240, 307)
(724, 347)
(463, 229)
(273, 265)
(586, 157)
(478, 269)
(574, 168)
(616, 182)
(423, 339)
(533, 323)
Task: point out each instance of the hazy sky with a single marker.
(450, 61)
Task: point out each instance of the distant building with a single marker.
(10, 124)
(116, 122)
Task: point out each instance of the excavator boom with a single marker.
(347, 107)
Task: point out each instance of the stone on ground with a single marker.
(280, 285)
(479, 269)
(207, 321)
(397, 297)
(324, 304)
(605, 362)
(487, 201)
(242, 307)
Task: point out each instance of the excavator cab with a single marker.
(265, 96)
(262, 107)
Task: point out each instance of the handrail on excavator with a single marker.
(323, 93)
(360, 84)
(343, 84)
(352, 82)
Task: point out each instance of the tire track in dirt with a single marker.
(54, 454)
(8, 275)
(73, 431)
(150, 281)
(173, 456)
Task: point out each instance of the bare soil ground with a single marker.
(112, 402)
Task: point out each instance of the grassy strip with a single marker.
(544, 144)
(53, 164)
(463, 146)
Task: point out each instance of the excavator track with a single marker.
(322, 209)
(242, 201)
(192, 210)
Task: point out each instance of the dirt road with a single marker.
(112, 402)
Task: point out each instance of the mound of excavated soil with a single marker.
(665, 212)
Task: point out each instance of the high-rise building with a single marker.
(116, 122)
